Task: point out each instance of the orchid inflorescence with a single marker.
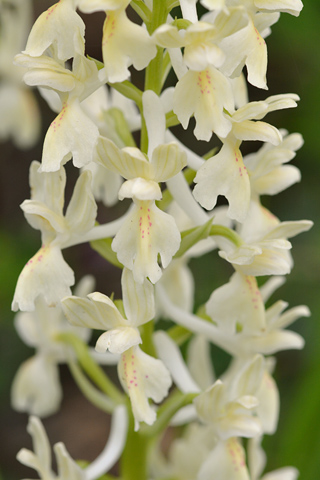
(201, 48)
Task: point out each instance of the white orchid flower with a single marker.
(72, 87)
(124, 43)
(19, 112)
(68, 469)
(99, 107)
(205, 94)
(47, 273)
(265, 250)
(99, 312)
(186, 455)
(148, 231)
(143, 377)
(228, 406)
(36, 387)
(267, 168)
(198, 41)
(227, 460)
(225, 173)
(293, 7)
(237, 304)
(59, 26)
(275, 337)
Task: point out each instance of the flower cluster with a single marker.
(97, 109)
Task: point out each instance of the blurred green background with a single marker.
(294, 66)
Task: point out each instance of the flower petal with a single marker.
(45, 274)
(145, 234)
(143, 377)
(36, 387)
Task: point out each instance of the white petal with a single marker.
(189, 10)
(276, 341)
(82, 209)
(138, 299)
(224, 174)
(155, 119)
(97, 312)
(59, 25)
(196, 92)
(290, 6)
(128, 162)
(67, 467)
(124, 43)
(285, 473)
(59, 145)
(277, 180)
(237, 303)
(199, 361)
(114, 447)
(145, 234)
(143, 377)
(48, 188)
(226, 462)
(167, 160)
(250, 130)
(171, 356)
(40, 460)
(36, 387)
(118, 340)
(140, 189)
(269, 404)
(45, 274)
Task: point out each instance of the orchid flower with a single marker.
(124, 43)
(19, 112)
(59, 26)
(225, 173)
(72, 87)
(47, 273)
(68, 469)
(265, 250)
(141, 375)
(99, 312)
(36, 387)
(148, 231)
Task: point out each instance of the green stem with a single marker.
(146, 336)
(221, 231)
(93, 370)
(133, 463)
(153, 79)
(172, 4)
(94, 396)
(142, 10)
(171, 119)
(168, 409)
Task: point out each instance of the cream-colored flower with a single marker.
(72, 87)
(143, 377)
(36, 387)
(205, 94)
(265, 248)
(68, 469)
(47, 273)
(99, 312)
(225, 173)
(59, 26)
(147, 232)
(198, 40)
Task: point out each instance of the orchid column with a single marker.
(97, 111)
